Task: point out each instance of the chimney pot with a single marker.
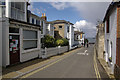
(44, 14)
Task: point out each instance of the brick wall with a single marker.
(117, 66)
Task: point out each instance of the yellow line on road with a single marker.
(29, 74)
(96, 68)
(62, 57)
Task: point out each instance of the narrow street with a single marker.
(80, 64)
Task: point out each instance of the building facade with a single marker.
(50, 29)
(20, 39)
(64, 29)
(112, 37)
(14, 10)
(34, 19)
(100, 38)
(79, 37)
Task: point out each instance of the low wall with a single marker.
(28, 55)
(48, 52)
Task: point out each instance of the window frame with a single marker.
(30, 40)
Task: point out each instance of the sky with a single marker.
(84, 15)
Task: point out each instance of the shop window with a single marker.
(29, 39)
(29, 44)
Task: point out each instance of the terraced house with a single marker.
(20, 39)
(112, 38)
(79, 37)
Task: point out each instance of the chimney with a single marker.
(42, 14)
(44, 17)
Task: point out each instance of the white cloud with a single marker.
(91, 12)
(70, 0)
(87, 27)
(59, 5)
(38, 10)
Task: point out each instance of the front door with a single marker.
(14, 49)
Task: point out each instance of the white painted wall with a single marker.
(26, 55)
(5, 42)
(50, 29)
(112, 38)
(65, 30)
(0, 43)
(71, 36)
(44, 23)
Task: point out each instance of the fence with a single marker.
(48, 52)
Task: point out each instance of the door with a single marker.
(14, 49)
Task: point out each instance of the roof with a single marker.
(29, 12)
(110, 8)
(60, 21)
(78, 32)
(10, 19)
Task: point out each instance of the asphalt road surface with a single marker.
(78, 64)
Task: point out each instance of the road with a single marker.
(78, 64)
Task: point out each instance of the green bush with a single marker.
(62, 42)
(66, 43)
(48, 41)
(59, 42)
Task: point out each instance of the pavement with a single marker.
(105, 66)
(78, 63)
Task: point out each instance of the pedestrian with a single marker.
(87, 43)
(84, 43)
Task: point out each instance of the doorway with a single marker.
(14, 49)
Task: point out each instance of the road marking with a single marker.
(83, 54)
(29, 74)
(85, 51)
(96, 68)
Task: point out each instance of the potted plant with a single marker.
(110, 59)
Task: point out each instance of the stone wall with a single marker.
(100, 41)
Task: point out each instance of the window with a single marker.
(37, 22)
(67, 28)
(18, 10)
(107, 25)
(3, 3)
(13, 30)
(41, 27)
(32, 21)
(13, 4)
(29, 39)
(60, 27)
